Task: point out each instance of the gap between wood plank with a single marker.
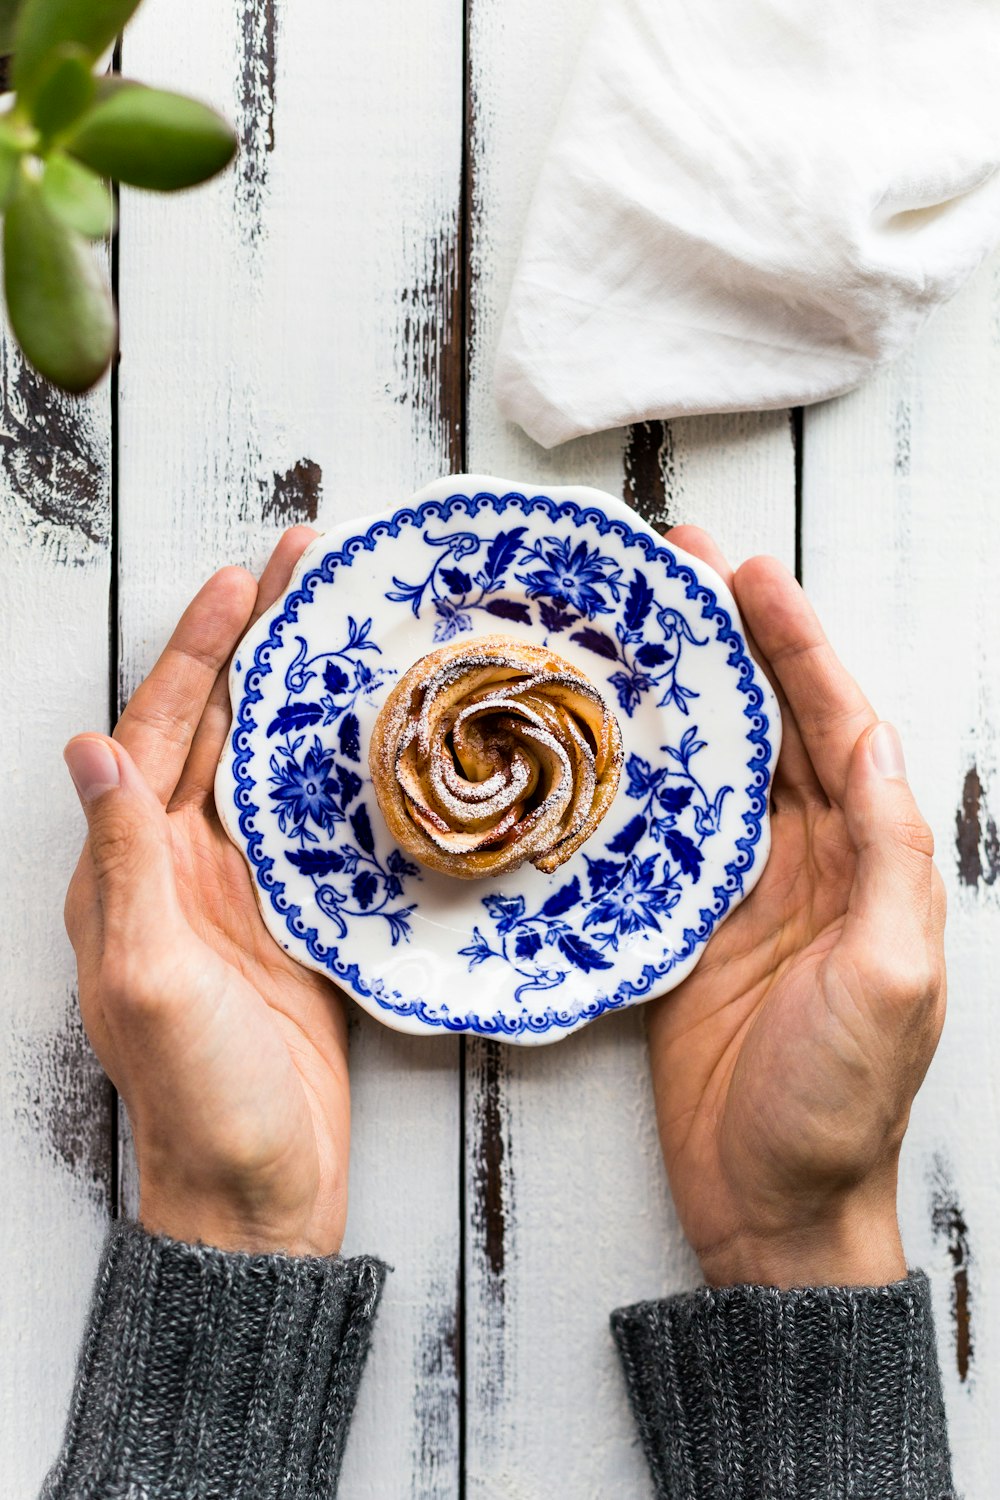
(114, 628)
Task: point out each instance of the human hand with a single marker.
(785, 1066)
(231, 1058)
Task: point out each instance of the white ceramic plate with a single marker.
(526, 957)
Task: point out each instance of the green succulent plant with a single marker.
(66, 137)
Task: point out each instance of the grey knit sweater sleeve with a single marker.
(216, 1374)
(749, 1393)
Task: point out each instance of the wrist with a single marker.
(224, 1227)
(865, 1251)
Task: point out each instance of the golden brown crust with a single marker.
(490, 752)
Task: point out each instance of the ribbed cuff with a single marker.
(749, 1393)
(205, 1372)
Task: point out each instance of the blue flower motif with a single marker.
(635, 901)
(573, 576)
(307, 790)
(478, 950)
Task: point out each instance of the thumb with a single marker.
(893, 900)
(128, 838)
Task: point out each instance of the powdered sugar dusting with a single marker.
(491, 752)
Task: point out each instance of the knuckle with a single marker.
(113, 843)
(126, 981)
(78, 908)
(911, 979)
(915, 834)
(71, 911)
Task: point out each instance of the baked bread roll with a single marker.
(490, 752)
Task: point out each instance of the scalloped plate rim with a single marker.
(488, 487)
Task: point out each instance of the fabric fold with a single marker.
(749, 205)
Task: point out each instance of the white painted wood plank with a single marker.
(568, 1214)
(901, 538)
(290, 352)
(55, 1110)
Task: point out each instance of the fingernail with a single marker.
(93, 767)
(887, 751)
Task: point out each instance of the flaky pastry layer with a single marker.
(490, 752)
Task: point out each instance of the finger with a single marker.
(128, 840)
(794, 771)
(829, 708)
(160, 720)
(280, 566)
(895, 920)
(198, 776)
(692, 539)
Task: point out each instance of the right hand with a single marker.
(785, 1065)
(230, 1057)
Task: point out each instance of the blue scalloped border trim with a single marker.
(757, 791)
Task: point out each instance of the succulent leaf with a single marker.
(59, 306)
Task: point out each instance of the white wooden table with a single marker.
(311, 337)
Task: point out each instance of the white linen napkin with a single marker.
(748, 204)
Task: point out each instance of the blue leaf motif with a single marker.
(364, 888)
(562, 900)
(653, 655)
(581, 953)
(603, 874)
(596, 641)
(506, 911)
(361, 824)
(527, 945)
(294, 716)
(555, 619)
(407, 593)
(641, 777)
(350, 784)
(684, 850)
(629, 688)
(501, 553)
(626, 839)
(400, 865)
(638, 603)
(399, 924)
(509, 609)
(315, 861)
(674, 799)
(451, 621)
(335, 679)
(347, 734)
(455, 581)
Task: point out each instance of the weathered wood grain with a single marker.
(292, 351)
(55, 1107)
(901, 535)
(567, 1212)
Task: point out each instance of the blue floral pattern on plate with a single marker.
(626, 917)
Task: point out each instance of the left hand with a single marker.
(230, 1057)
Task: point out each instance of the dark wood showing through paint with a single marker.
(255, 125)
(489, 1211)
(977, 840)
(53, 460)
(432, 363)
(295, 495)
(951, 1227)
(648, 469)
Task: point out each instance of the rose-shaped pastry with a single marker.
(490, 752)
